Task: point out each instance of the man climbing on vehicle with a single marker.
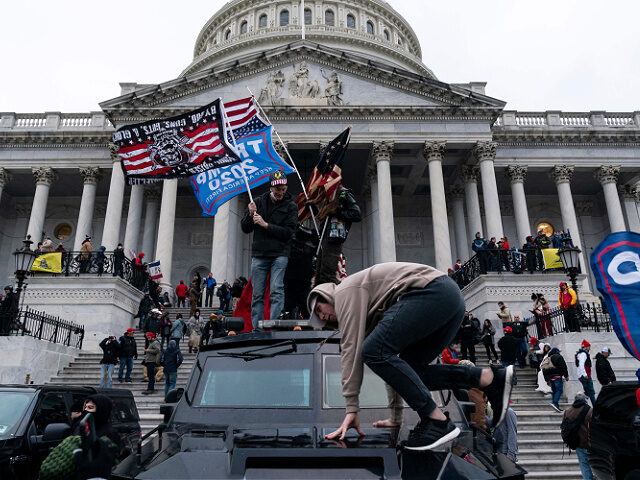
(396, 318)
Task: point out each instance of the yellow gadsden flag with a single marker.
(49, 262)
(551, 258)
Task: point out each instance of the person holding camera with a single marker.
(110, 353)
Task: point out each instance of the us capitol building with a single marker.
(430, 162)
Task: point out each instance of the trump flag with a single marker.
(616, 266)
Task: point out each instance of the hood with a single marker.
(599, 355)
(172, 346)
(103, 408)
(101, 249)
(324, 290)
(140, 255)
(554, 350)
(564, 283)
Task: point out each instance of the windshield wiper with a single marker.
(256, 353)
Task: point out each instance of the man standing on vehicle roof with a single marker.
(397, 317)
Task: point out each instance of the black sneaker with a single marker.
(128, 381)
(499, 392)
(430, 434)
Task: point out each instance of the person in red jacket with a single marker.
(450, 356)
(181, 292)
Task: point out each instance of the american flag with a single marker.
(325, 178)
(178, 146)
(243, 117)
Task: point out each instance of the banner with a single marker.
(259, 159)
(179, 146)
(551, 258)
(154, 270)
(616, 267)
(48, 262)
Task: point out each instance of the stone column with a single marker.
(90, 177)
(470, 175)
(152, 195)
(381, 153)
(113, 216)
(433, 153)
(629, 197)
(561, 175)
(225, 242)
(516, 175)
(456, 193)
(164, 246)
(132, 233)
(485, 152)
(5, 177)
(44, 177)
(607, 175)
(374, 244)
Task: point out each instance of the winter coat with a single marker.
(118, 255)
(488, 331)
(572, 413)
(154, 352)
(211, 282)
(47, 246)
(212, 329)
(467, 331)
(282, 216)
(9, 304)
(165, 326)
(110, 351)
(177, 329)
(236, 290)
(568, 298)
(223, 291)
(347, 210)
(508, 347)
(450, 356)
(519, 329)
(479, 244)
(85, 250)
(604, 372)
(182, 290)
(146, 305)
(128, 347)
(172, 358)
(194, 325)
(559, 368)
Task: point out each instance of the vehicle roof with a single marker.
(300, 336)
(111, 392)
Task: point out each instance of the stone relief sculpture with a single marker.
(299, 81)
(271, 92)
(333, 91)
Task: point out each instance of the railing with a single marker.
(583, 316)
(39, 325)
(568, 119)
(499, 261)
(57, 121)
(94, 263)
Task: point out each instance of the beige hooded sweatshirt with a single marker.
(360, 301)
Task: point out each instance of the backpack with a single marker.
(570, 429)
(184, 329)
(546, 364)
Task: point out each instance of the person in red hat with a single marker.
(567, 300)
(152, 356)
(583, 362)
(128, 351)
(508, 346)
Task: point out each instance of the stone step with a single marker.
(555, 475)
(541, 442)
(546, 465)
(540, 453)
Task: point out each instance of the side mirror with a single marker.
(174, 395)
(56, 432)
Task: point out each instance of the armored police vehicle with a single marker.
(258, 406)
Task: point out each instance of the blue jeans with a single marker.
(584, 463)
(587, 385)
(261, 267)
(556, 390)
(170, 380)
(405, 341)
(108, 368)
(125, 362)
(521, 352)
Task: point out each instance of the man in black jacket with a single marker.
(8, 310)
(128, 351)
(272, 218)
(110, 350)
(508, 346)
(553, 375)
(604, 372)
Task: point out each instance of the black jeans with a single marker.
(410, 335)
(489, 347)
(151, 373)
(208, 301)
(468, 350)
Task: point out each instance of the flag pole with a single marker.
(286, 150)
(233, 138)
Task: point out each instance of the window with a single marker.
(386, 35)
(284, 18)
(52, 409)
(62, 231)
(399, 41)
(307, 16)
(227, 35)
(262, 21)
(370, 28)
(372, 393)
(329, 18)
(282, 381)
(243, 27)
(546, 228)
(351, 21)
(14, 404)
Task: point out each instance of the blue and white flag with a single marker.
(216, 187)
(616, 267)
(154, 270)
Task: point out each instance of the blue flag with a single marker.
(215, 187)
(616, 267)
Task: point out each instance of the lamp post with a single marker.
(570, 258)
(24, 260)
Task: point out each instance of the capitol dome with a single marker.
(369, 28)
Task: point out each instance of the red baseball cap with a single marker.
(507, 330)
(150, 335)
(131, 330)
(532, 340)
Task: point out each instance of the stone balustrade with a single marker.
(568, 119)
(54, 121)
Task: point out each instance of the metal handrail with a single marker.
(33, 323)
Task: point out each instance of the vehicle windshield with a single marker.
(14, 405)
(372, 393)
(282, 381)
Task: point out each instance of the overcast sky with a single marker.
(69, 55)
